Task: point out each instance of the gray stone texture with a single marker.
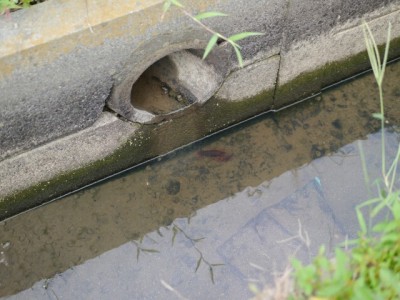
(250, 81)
(321, 33)
(69, 153)
(63, 62)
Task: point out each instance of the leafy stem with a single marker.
(215, 35)
(378, 68)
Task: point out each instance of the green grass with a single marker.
(371, 269)
(7, 6)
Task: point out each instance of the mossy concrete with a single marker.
(145, 142)
(309, 83)
(59, 77)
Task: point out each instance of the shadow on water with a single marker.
(160, 196)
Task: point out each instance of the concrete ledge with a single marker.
(325, 58)
(38, 168)
(61, 75)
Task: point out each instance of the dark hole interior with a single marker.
(150, 93)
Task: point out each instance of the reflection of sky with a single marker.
(251, 233)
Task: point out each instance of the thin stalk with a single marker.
(208, 28)
(383, 134)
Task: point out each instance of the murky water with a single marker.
(203, 222)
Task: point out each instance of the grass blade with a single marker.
(176, 3)
(211, 43)
(243, 35)
(385, 57)
(375, 46)
(361, 221)
(378, 116)
(238, 55)
(209, 14)
(369, 42)
(166, 6)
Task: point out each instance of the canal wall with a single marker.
(72, 105)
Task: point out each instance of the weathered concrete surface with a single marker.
(39, 167)
(63, 61)
(321, 43)
(250, 81)
(60, 59)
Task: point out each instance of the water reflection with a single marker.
(166, 221)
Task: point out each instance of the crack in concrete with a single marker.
(288, 3)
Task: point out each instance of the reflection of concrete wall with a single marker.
(62, 61)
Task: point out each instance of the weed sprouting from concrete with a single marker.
(371, 269)
(216, 36)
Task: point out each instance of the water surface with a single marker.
(207, 220)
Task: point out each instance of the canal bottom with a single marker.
(205, 221)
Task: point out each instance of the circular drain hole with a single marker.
(157, 89)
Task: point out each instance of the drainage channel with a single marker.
(203, 222)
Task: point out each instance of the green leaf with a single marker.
(166, 6)
(296, 264)
(239, 56)
(395, 207)
(243, 35)
(209, 14)
(8, 5)
(362, 292)
(361, 221)
(390, 279)
(385, 57)
(331, 289)
(254, 289)
(211, 43)
(390, 238)
(385, 226)
(378, 116)
(342, 272)
(176, 3)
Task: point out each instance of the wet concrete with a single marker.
(208, 219)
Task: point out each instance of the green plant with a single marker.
(371, 270)
(7, 5)
(216, 36)
(10, 5)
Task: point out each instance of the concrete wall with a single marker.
(64, 63)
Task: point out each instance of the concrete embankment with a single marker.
(89, 88)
